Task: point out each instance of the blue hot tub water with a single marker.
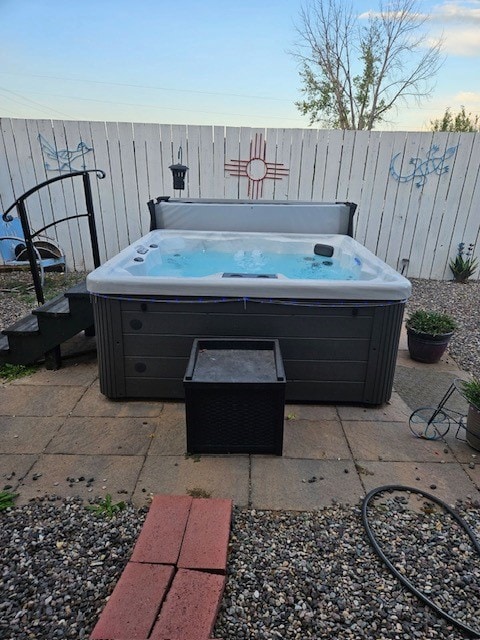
(202, 263)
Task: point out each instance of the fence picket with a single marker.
(206, 163)
(306, 165)
(180, 155)
(471, 234)
(449, 221)
(129, 181)
(140, 137)
(27, 146)
(332, 167)
(192, 160)
(425, 210)
(377, 201)
(106, 216)
(281, 187)
(320, 166)
(219, 159)
(78, 228)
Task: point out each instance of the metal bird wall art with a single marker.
(63, 158)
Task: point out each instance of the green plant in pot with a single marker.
(428, 334)
(471, 391)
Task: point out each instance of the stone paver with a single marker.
(446, 362)
(35, 400)
(315, 440)
(278, 483)
(13, 467)
(94, 403)
(311, 412)
(220, 476)
(27, 434)
(394, 411)
(390, 441)
(80, 374)
(474, 475)
(448, 481)
(462, 451)
(170, 437)
(59, 424)
(111, 474)
(102, 435)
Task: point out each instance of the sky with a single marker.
(208, 62)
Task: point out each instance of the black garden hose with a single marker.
(406, 583)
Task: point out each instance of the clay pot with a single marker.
(473, 427)
(424, 347)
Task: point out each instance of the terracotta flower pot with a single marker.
(424, 347)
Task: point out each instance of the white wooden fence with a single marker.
(418, 194)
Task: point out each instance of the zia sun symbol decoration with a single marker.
(256, 168)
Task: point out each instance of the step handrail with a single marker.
(19, 205)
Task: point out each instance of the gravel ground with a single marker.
(315, 575)
(462, 302)
(291, 575)
(58, 564)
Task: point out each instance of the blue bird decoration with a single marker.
(65, 157)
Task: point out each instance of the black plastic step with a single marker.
(25, 326)
(40, 334)
(78, 291)
(4, 348)
(56, 307)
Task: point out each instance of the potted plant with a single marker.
(428, 334)
(471, 391)
(463, 267)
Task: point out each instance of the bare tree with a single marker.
(355, 71)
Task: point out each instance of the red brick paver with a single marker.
(134, 604)
(162, 534)
(190, 609)
(172, 587)
(205, 544)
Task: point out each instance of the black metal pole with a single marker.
(91, 219)
(32, 258)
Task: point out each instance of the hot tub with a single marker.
(252, 265)
(337, 312)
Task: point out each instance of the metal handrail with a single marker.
(19, 204)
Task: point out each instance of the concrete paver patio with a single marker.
(60, 435)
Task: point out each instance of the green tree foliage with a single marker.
(459, 122)
(354, 70)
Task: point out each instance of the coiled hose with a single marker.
(406, 583)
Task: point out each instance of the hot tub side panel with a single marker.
(108, 328)
(341, 353)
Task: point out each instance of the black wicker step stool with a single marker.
(235, 396)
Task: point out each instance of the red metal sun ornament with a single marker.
(256, 168)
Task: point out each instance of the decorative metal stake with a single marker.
(178, 170)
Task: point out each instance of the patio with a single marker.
(61, 436)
